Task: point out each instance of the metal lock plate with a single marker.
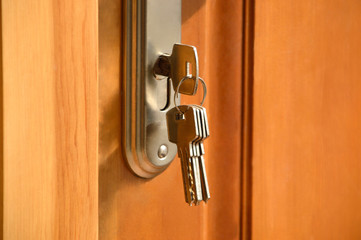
(151, 28)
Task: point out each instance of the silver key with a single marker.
(200, 152)
(205, 187)
(183, 129)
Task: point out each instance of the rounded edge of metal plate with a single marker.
(150, 160)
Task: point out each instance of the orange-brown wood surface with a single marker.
(135, 208)
(307, 120)
(49, 119)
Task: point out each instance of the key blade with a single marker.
(187, 193)
(206, 193)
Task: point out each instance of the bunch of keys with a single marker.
(187, 124)
(188, 128)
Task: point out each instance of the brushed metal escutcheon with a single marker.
(151, 27)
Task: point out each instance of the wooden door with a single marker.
(283, 104)
(49, 119)
(135, 208)
(306, 147)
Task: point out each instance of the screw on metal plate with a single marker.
(162, 151)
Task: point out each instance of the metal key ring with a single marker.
(177, 92)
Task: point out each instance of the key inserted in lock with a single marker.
(183, 62)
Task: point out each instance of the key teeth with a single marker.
(191, 181)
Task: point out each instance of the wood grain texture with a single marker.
(307, 114)
(134, 208)
(50, 119)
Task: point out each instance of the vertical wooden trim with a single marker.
(1, 133)
(222, 33)
(247, 113)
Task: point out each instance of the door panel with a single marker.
(306, 122)
(49, 119)
(295, 119)
(135, 208)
